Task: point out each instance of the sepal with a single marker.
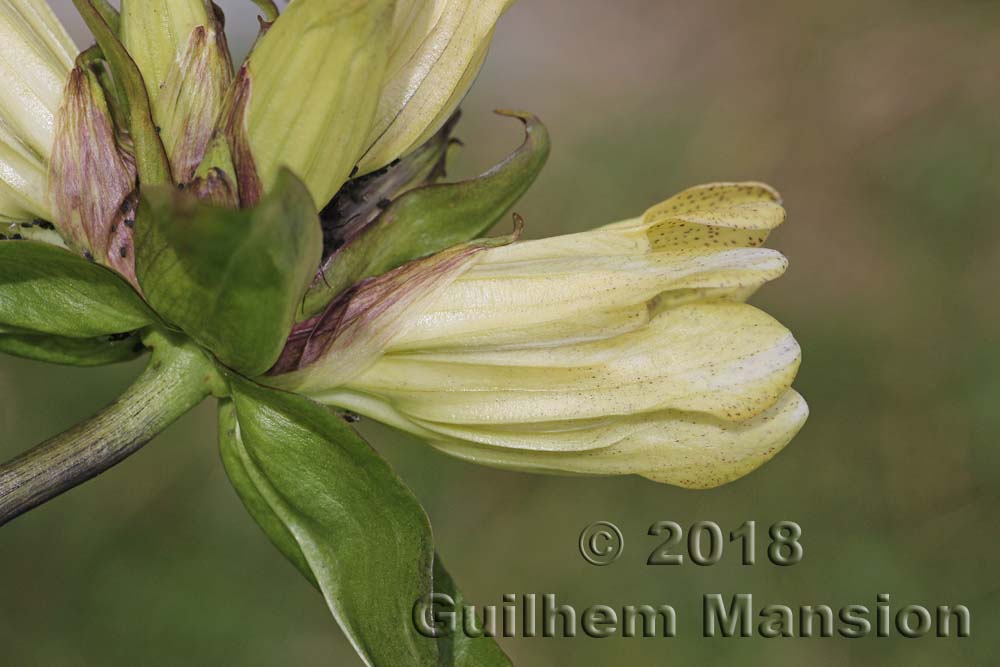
(428, 219)
(355, 328)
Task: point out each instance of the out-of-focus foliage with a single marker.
(877, 121)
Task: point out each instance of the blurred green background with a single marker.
(879, 124)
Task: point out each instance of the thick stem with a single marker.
(176, 380)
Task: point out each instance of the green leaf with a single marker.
(458, 649)
(429, 219)
(242, 463)
(72, 351)
(336, 509)
(49, 290)
(150, 156)
(231, 450)
(233, 280)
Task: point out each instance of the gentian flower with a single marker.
(625, 349)
(35, 62)
(281, 236)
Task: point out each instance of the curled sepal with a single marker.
(438, 48)
(428, 219)
(180, 48)
(73, 351)
(269, 8)
(48, 290)
(334, 346)
(91, 180)
(231, 279)
(360, 203)
(312, 85)
(363, 199)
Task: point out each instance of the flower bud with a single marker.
(626, 349)
(438, 47)
(180, 48)
(34, 66)
(91, 179)
(313, 82)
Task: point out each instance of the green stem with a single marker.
(176, 379)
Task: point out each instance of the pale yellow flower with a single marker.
(337, 87)
(625, 349)
(436, 52)
(314, 80)
(35, 60)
